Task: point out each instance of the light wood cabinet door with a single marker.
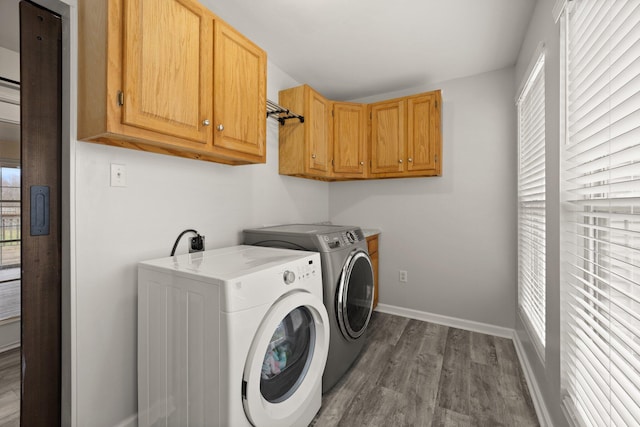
(166, 58)
(423, 135)
(349, 139)
(239, 93)
(318, 132)
(388, 127)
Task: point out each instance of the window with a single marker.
(9, 241)
(531, 203)
(601, 213)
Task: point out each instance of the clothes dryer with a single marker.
(348, 284)
(231, 337)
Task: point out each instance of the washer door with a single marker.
(355, 295)
(283, 371)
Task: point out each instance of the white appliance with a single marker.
(348, 284)
(231, 337)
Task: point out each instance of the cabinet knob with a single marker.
(361, 163)
(220, 127)
(400, 161)
(313, 156)
(206, 122)
(410, 159)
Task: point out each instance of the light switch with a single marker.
(118, 175)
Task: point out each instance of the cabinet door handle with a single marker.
(220, 127)
(313, 156)
(410, 159)
(361, 163)
(400, 161)
(206, 122)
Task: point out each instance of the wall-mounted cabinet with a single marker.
(341, 140)
(405, 136)
(174, 79)
(305, 147)
(349, 140)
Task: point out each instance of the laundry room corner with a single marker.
(117, 227)
(454, 235)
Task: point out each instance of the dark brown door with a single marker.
(41, 136)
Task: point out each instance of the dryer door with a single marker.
(355, 295)
(283, 371)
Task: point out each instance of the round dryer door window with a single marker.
(355, 295)
(288, 355)
(286, 361)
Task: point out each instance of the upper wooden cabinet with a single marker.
(388, 139)
(349, 140)
(388, 128)
(305, 148)
(405, 136)
(164, 73)
(170, 77)
(239, 88)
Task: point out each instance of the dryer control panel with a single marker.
(341, 239)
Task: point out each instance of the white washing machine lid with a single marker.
(226, 263)
(293, 405)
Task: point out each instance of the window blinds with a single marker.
(601, 223)
(531, 204)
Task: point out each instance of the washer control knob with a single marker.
(351, 237)
(289, 277)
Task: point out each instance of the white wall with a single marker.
(543, 29)
(455, 234)
(117, 227)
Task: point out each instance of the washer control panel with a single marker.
(342, 239)
(303, 270)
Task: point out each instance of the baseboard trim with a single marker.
(469, 325)
(544, 418)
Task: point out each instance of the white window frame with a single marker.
(532, 202)
(600, 282)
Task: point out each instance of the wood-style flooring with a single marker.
(10, 388)
(410, 373)
(414, 373)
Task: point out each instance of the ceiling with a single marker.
(357, 48)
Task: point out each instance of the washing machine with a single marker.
(231, 337)
(348, 284)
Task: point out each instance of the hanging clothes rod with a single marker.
(280, 113)
(13, 82)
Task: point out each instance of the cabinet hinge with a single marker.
(120, 98)
(436, 104)
(332, 164)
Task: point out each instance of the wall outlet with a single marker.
(118, 175)
(403, 276)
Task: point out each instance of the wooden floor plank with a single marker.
(10, 388)
(453, 389)
(386, 328)
(486, 405)
(483, 349)
(447, 418)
